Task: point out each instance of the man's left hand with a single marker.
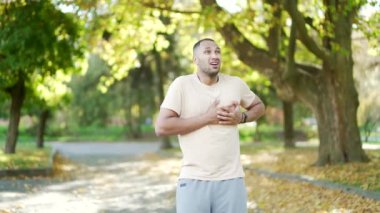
(230, 114)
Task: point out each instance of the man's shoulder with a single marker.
(184, 78)
(230, 77)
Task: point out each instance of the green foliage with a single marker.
(89, 105)
(116, 35)
(4, 105)
(370, 27)
(35, 38)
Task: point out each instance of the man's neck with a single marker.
(207, 79)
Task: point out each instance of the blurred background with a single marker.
(98, 70)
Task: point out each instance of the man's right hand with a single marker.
(211, 114)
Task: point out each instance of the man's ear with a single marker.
(195, 60)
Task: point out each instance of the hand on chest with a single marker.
(199, 101)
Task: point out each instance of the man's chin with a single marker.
(213, 73)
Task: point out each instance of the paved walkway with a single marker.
(111, 180)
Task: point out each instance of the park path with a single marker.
(112, 178)
(108, 177)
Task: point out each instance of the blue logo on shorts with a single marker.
(182, 185)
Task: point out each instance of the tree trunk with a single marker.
(42, 127)
(165, 141)
(338, 99)
(288, 124)
(17, 93)
(367, 130)
(338, 133)
(133, 127)
(257, 135)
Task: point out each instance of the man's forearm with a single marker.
(179, 126)
(255, 112)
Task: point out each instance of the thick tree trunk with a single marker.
(42, 127)
(338, 103)
(17, 93)
(288, 124)
(338, 133)
(338, 100)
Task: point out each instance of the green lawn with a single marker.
(90, 133)
(26, 156)
(87, 133)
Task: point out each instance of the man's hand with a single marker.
(230, 114)
(211, 114)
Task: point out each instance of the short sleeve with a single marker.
(173, 97)
(247, 96)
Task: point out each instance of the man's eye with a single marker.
(207, 51)
(217, 52)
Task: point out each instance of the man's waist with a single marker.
(222, 173)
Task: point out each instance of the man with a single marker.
(203, 109)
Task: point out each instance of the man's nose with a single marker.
(215, 55)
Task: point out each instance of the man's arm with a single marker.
(255, 110)
(169, 122)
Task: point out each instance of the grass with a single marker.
(26, 156)
(85, 133)
(89, 133)
(23, 136)
(300, 161)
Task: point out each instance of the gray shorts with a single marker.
(199, 196)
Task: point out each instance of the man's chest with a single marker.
(196, 101)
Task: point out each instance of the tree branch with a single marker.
(249, 54)
(299, 20)
(274, 37)
(268, 64)
(307, 70)
(290, 62)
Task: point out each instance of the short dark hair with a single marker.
(196, 45)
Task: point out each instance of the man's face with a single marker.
(208, 58)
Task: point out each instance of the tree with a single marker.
(143, 64)
(87, 98)
(328, 91)
(35, 39)
(46, 95)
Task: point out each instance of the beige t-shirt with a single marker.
(213, 151)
